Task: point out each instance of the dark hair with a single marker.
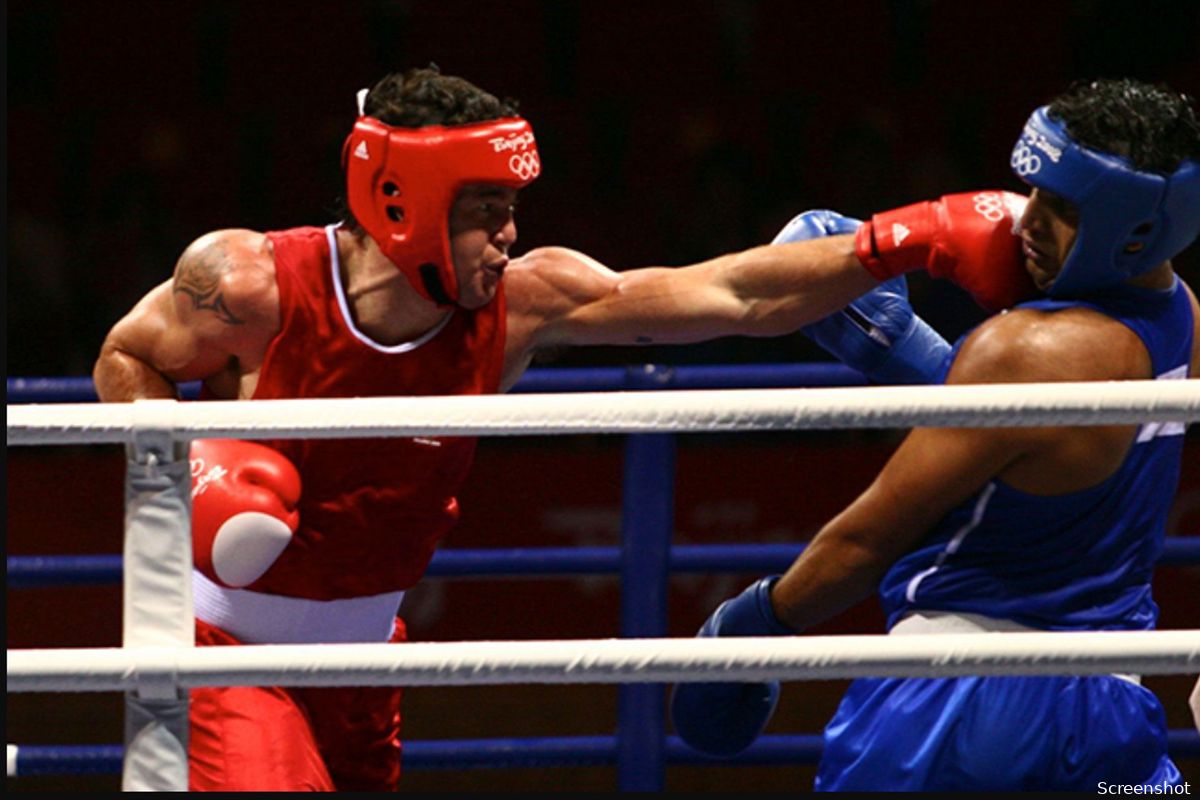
(1153, 126)
(424, 96)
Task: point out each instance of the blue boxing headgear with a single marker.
(1120, 207)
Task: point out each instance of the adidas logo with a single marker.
(361, 151)
(899, 232)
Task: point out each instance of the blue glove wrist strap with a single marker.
(748, 614)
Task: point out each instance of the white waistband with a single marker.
(954, 622)
(257, 618)
(919, 622)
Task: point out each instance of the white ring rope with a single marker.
(607, 660)
(987, 405)
(158, 599)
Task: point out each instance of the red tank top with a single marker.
(371, 510)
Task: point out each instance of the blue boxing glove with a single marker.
(723, 719)
(878, 334)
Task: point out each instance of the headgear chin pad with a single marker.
(1130, 220)
(402, 182)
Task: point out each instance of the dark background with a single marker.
(669, 131)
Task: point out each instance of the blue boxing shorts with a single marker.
(995, 734)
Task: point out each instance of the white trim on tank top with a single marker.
(955, 542)
(1154, 430)
(348, 318)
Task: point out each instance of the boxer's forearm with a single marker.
(120, 377)
(850, 555)
(783, 287)
(764, 291)
(831, 575)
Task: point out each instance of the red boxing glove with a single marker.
(972, 239)
(244, 513)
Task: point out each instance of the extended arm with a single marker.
(764, 291)
(560, 297)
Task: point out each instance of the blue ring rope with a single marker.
(563, 751)
(27, 572)
(562, 379)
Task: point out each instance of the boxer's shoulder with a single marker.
(549, 262)
(1029, 344)
(241, 243)
(550, 280)
(230, 273)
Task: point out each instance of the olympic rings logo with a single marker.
(990, 206)
(1025, 161)
(525, 166)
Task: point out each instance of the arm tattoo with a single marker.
(202, 283)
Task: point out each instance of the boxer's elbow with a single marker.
(102, 371)
(110, 364)
(121, 375)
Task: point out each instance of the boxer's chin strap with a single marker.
(432, 280)
(361, 98)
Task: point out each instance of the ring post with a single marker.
(647, 525)
(158, 611)
(647, 522)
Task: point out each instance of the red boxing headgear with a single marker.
(401, 183)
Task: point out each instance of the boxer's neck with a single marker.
(382, 302)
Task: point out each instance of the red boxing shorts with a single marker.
(270, 738)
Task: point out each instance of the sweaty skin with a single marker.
(936, 469)
(560, 297)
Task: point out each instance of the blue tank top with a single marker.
(1076, 561)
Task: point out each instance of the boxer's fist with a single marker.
(972, 239)
(878, 334)
(723, 719)
(244, 513)
(881, 336)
